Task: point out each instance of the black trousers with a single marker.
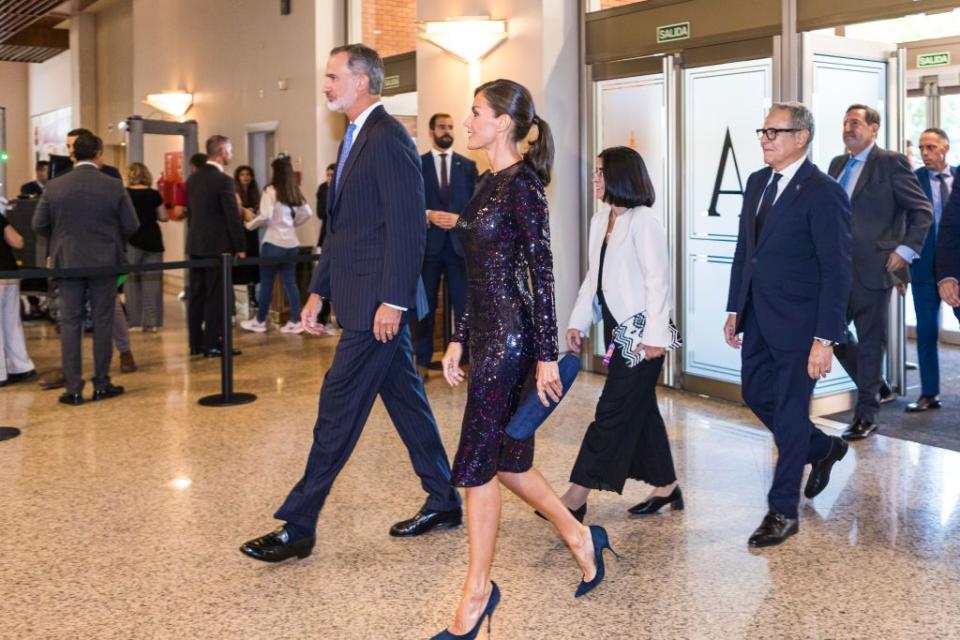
(102, 293)
(205, 308)
(862, 356)
(627, 438)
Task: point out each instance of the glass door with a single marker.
(722, 107)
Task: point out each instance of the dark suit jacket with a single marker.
(88, 217)
(215, 223)
(947, 254)
(322, 191)
(373, 252)
(889, 210)
(31, 189)
(462, 176)
(798, 274)
(922, 270)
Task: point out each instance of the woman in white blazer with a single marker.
(629, 273)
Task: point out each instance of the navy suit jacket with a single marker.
(922, 270)
(798, 274)
(947, 254)
(373, 252)
(463, 177)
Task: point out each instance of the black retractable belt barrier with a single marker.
(227, 397)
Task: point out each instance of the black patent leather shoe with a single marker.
(72, 399)
(218, 353)
(107, 392)
(886, 393)
(820, 470)
(859, 430)
(26, 376)
(427, 520)
(774, 529)
(578, 514)
(277, 546)
(647, 507)
(924, 403)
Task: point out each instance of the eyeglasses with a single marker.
(771, 133)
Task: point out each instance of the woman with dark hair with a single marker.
(282, 208)
(248, 200)
(629, 274)
(144, 289)
(506, 241)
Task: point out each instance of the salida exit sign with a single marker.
(926, 60)
(671, 32)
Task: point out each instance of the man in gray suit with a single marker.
(87, 217)
(891, 216)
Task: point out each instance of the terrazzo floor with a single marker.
(122, 520)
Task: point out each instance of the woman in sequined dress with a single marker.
(511, 328)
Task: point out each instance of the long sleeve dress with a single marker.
(509, 322)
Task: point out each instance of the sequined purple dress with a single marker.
(506, 241)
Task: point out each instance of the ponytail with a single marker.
(540, 153)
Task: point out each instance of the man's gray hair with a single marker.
(364, 61)
(800, 116)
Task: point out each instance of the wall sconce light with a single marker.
(469, 38)
(174, 103)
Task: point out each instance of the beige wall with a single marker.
(50, 84)
(14, 98)
(540, 52)
(230, 54)
(114, 69)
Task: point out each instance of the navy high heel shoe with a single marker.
(487, 613)
(600, 542)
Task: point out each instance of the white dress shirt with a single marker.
(280, 220)
(436, 162)
(786, 174)
(217, 165)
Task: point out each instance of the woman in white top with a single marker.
(282, 209)
(629, 273)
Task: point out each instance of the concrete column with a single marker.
(83, 70)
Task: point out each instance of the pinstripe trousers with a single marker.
(362, 368)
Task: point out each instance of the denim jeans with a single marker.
(287, 279)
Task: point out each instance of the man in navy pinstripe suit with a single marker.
(369, 270)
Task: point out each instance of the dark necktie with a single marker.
(444, 181)
(944, 196)
(766, 203)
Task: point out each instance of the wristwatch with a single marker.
(824, 342)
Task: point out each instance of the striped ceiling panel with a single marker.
(17, 15)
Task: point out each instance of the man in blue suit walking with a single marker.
(947, 256)
(369, 270)
(448, 180)
(789, 286)
(936, 180)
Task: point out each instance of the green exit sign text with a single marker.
(926, 60)
(671, 32)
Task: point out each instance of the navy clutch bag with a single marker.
(531, 413)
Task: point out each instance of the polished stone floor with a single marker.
(122, 520)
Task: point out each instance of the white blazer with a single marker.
(636, 274)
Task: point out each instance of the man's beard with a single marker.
(444, 142)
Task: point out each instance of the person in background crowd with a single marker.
(34, 189)
(789, 287)
(282, 208)
(215, 228)
(629, 273)
(87, 218)
(936, 180)
(322, 191)
(448, 181)
(891, 216)
(15, 363)
(248, 199)
(144, 290)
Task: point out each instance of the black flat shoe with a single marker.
(647, 507)
(774, 529)
(886, 393)
(820, 470)
(26, 376)
(107, 392)
(276, 546)
(427, 520)
(923, 403)
(578, 514)
(72, 399)
(859, 430)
